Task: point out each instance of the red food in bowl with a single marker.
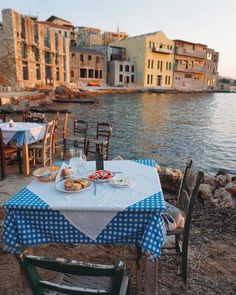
(101, 174)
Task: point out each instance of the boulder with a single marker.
(231, 188)
(170, 179)
(221, 180)
(205, 191)
(210, 180)
(222, 198)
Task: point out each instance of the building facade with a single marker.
(31, 53)
(87, 67)
(87, 37)
(109, 37)
(153, 56)
(211, 69)
(189, 65)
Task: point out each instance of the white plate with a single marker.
(60, 186)
(100, 180)
(121, 182)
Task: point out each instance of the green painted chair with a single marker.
(185, 202)
(74, 277)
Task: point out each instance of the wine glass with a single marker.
(77, 161)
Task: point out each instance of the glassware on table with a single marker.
(77, 161)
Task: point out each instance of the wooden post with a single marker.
(150, 278)
(26, 169)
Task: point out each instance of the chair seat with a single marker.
(35, 146)
(177, 231)
(74, 138)
(10, 150)
(98, 141)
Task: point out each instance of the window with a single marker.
(96, 74)
(90, 73)
(120, 78)
(169, 80)
(25, 70)
(127, 68)
(148, 63)
(57, 74)
(132, 78)
(65, 34)
(132, 69)
(159, 78)
(166, 77)
(38, 73)
(121, 68)
(22, 27)
(83, 73)
(81, 57)
(36, 54)
(158, 64)
(23, 50)
(47, 58)
(57, 59)
(150, 44)
(89, 57)
(97, 59)
(151, 79)
(47, 38)
(73, 55)
(72, 74)
(169, 66)
(152, 64)
(161, 63)
(188, 76)
(147, 79)
(127, 79)
(48, 74)
(101, 74)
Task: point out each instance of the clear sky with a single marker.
(211, 22)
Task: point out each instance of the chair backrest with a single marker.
(80, 128)
(61, 125)
(29, 265)
(188, 193)
(47, 142)
(104, 131)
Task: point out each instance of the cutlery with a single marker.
(95, 188)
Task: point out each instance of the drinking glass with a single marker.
(77, 161)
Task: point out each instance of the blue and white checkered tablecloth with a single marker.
(30, 221)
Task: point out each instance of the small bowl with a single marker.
(46, 174)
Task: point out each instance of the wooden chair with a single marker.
(42, 151)
(185, 202)
(60, 130)
(79, 138)
(33, 117)
(101, 143)
(6, 153)
(74, 277)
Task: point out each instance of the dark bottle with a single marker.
(99, 161)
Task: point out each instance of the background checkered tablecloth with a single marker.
(24, 136)
(30, 221)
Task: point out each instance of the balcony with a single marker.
(195, 69)
(161, 50)
(189, 52)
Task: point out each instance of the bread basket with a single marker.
(46, 174)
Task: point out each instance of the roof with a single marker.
(147, 34)
(53, 17)
(178, 40)
(54, 25)
(90, 28)
(86, 49)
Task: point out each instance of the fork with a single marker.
(95, 188)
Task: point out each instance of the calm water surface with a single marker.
(168, 127)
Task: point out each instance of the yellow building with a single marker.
(153, 56)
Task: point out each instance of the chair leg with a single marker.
(184, 261)
(19, 159)
(3, 167)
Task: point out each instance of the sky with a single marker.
(210, 22)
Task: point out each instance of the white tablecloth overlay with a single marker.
(35, 129)
(91, 213)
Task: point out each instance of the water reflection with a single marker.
(168, 127)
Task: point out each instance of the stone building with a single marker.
(87, 37)
(32, 53)
(189, 65)
(109, 37)
(87, 67)
(121, 73)
(152, 54)
(211, 69)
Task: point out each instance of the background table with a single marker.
(23, 134)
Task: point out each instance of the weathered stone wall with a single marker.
(23, 44)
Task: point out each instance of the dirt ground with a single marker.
(212, 257)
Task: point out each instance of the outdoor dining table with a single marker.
(22, 134)
(39, 214)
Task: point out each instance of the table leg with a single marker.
(26, 169)
(150, 277)
(26, 287)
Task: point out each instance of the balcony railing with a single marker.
(161, 50)
(189, 52)
(195, 69)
